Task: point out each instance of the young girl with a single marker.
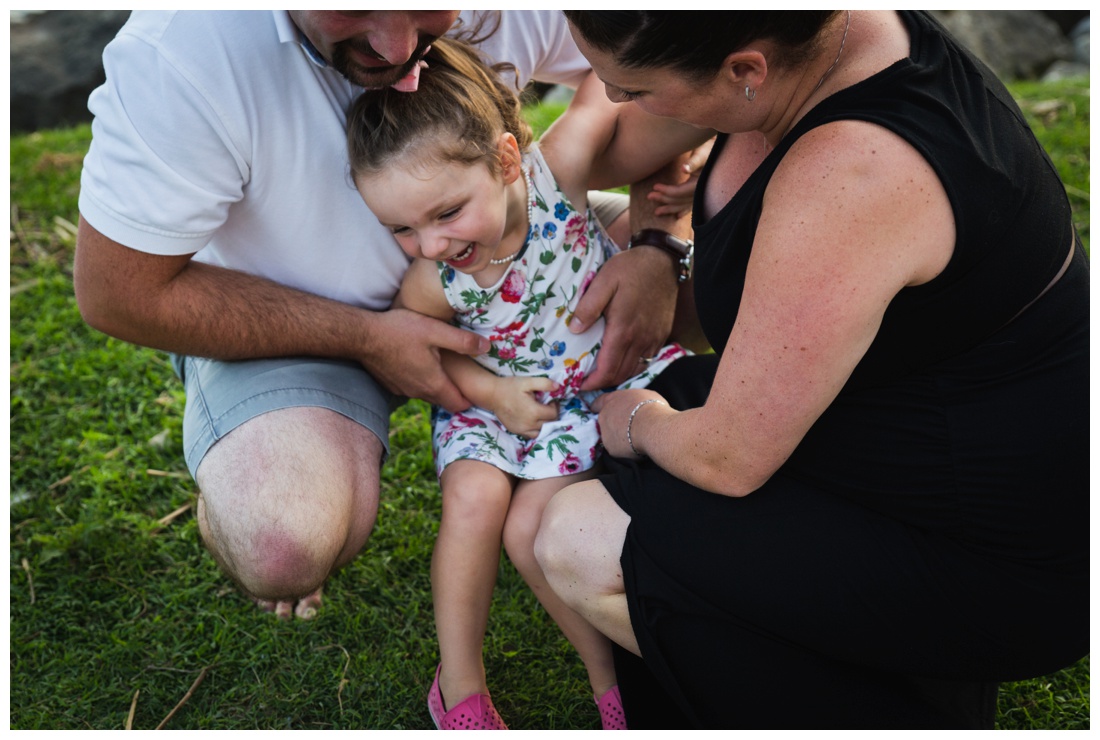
(504, 245)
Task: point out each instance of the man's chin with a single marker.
(367, 76)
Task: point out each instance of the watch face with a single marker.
(687, 264)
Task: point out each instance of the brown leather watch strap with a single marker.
(682, 250)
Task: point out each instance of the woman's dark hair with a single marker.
(457, 114)
(696, 42)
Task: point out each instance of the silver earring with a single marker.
(750, 93)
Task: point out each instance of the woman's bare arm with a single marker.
(852, 216)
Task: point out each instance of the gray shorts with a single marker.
(223, 395)
(607, 206)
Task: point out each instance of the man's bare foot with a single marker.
(304, 608)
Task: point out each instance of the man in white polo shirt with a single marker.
(218, 223)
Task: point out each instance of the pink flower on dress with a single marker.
(571, 464)
(576, 232)
(512, 289)
(466, 422)
(587, 279)
(672, 351)
(574, 375)
(458, 423)
(508, 332)
(507, 353)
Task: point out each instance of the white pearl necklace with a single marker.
(530, 220)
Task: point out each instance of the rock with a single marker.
(1016, 44)
(56, 55)
(1079, 37)
(1066, 19)
(56, 62)
(1062, 70)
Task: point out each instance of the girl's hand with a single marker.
(676, 199)
(615, 409)
(515, 404)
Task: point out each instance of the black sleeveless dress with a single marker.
(930, 535)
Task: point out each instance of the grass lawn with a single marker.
(119, 618)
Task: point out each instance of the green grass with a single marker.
(115, 605)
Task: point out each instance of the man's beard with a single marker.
(372, 77)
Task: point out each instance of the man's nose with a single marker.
(394, 35)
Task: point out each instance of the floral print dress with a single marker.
(525, 316)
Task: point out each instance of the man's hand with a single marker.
(405, 356)
(636, 293)
(516, 406)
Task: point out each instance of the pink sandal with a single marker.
(472, 713)
(611, 709)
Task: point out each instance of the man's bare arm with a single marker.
(179, 305)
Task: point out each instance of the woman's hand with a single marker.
(517, 407)
(620, 434)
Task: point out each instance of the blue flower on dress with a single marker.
(546, 363)
(572, 404)
(449, 274)
(557, 349)
(561, 212)
(549, 230)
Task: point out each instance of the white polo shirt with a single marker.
(216, 134)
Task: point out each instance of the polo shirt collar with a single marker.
(290, 33)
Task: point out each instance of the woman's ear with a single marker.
(745, 68)
(511, 160)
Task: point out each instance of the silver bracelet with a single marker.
(630, 423)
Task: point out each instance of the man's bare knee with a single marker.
(274, 562)
(288, 500)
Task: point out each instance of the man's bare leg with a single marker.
(286, 499)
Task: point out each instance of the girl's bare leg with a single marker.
(464, 572)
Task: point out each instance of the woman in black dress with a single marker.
(871, 503)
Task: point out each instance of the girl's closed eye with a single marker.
(627, 95)
(452, 213)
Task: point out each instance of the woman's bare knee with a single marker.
(580, 541)
(525, 515)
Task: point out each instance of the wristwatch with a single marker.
(682, 250)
